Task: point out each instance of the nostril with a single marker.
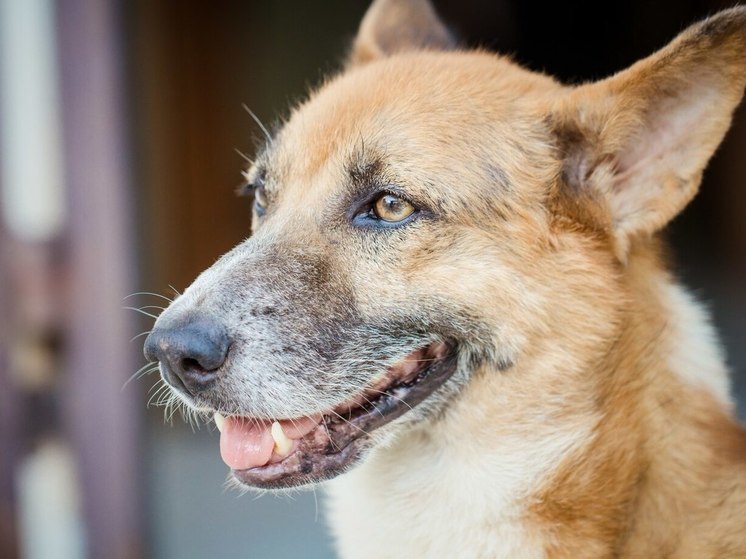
(193, 365)
(191, 352)
(190, 363)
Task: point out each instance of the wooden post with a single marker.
(9, 418)
(101, 417)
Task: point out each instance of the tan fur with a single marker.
(591, 445)
(586, 410)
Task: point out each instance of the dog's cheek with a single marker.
(452, 281)
(500, 300)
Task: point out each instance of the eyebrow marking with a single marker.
(365, 171)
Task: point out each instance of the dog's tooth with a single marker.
(219, 420)
(282, 443)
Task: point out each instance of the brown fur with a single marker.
(665, 473)
(589, 415)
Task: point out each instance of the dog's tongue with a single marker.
(248, 442)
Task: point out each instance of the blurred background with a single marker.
(121, 125)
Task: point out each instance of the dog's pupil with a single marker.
(392, 203)
(393, 208)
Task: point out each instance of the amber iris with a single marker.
(392, 208)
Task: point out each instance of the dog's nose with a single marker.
(190, 353)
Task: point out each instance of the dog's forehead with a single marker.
(424, 111)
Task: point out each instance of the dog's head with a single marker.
(428, 215)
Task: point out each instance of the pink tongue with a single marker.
(247, 442)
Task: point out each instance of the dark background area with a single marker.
(152, 95)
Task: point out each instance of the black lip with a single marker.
(335, 446)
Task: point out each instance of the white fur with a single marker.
(695, 355)
(421, 496)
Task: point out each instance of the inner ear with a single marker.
(635, 145)
(392, 26)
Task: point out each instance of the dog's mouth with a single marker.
(296, 451)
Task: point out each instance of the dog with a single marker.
(455, 308)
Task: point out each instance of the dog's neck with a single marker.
(552, 458)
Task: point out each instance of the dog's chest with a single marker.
(428, 506)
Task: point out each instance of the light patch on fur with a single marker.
(420, 495)
(695, 354)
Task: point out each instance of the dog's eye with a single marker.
(260, 200)
(255, 187)
(386, 210)
(391, 208)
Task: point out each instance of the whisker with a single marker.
(158, 385)
(140, 311)
(328, 434)
(259, 122)
(141, 372)
(243, 156)
(392, 396)
(161, 386)
(153, 307)
(372, 405)
(140, 334)
(148, 293)
(349, 422)
(316, 503)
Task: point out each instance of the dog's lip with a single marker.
(342, 434)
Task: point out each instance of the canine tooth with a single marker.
(282, 443)
(219, 420)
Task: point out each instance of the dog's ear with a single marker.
(634, 146)
(392, 26)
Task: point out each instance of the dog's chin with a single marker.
(324, 445)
